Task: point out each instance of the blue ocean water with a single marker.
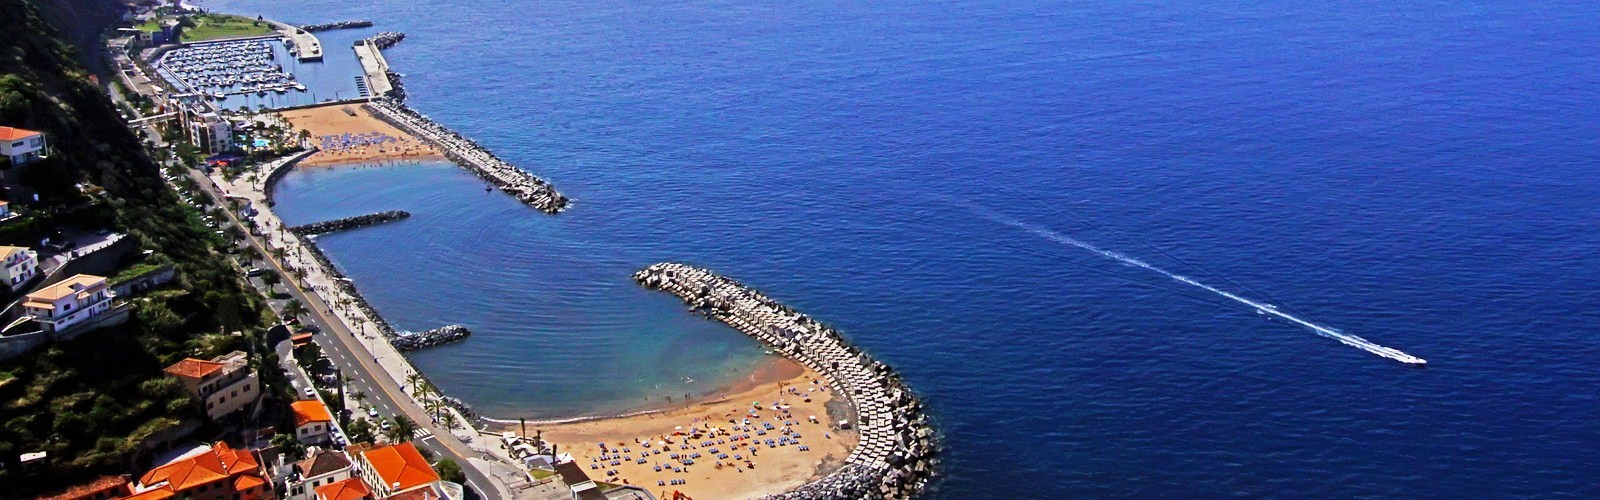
(1423, 174)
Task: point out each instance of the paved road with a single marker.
(342, 347)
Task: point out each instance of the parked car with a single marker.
(311, 393)
(372, 411)
(255, 271)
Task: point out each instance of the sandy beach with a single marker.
(730, 427)
(347, 133)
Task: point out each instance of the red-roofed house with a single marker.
(221, 473)
(349, 489)
(311, 421)
(324, 468)
(226, 383)
(21, 146)
(17, 266)
(395, 469)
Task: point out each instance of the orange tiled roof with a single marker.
(119, 484)
(349, 489)
(401, 464)
(13, 133)
(245, 481)
(308, 411)
(218, 464)
(7, 250)
(416, 494)
(194, 368)
(155, 494)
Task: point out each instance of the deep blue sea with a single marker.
(1425, 175)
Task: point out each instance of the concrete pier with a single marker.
(375, 67)
(526, 187)
(896, 454)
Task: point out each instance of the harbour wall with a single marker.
(342, 25)
(348, 223)
(897, 452)
(437, 336)
(518, 183)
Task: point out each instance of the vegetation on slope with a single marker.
(92, 402)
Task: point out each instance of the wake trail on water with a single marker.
(1264, 308)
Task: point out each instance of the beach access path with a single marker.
(351, 341)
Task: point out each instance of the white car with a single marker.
(372, 411)
(311, 393)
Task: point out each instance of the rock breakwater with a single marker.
(342, 25)
(525, 187)
(406, 342)
(350, 222)
(897, 452)
(385, 39)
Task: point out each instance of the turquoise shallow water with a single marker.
(1422, 174)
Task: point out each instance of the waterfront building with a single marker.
(311, 421)
(324, 468)
(395, 470)
(226, 383)
(69, 302)
(217, 473)
(578, 481)
(20, 146)
(349, 489)
(211, 132)
(17, 265)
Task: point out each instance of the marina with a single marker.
(214, 71)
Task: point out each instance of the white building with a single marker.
(69, 302)
(312, 421)
(211, 133)
(225, 383)
(321, 469)
(17, 266)
(22, 145)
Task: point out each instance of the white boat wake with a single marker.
(1264, 308)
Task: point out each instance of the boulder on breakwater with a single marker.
(897, 453)
(443, 335)
(349, 222)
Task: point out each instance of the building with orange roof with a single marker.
(220, 473)
(225, 383)
(20, 146)
(311, 421)
(18, 265)
(72, 301)
(395, 469)
(349, 489)
(102, 488)
(322, 468)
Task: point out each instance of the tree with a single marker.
(291, 447)
(450, 471)
(293, 308)
(401, 430)
(361, 431)
(449, 420)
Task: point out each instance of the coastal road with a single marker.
(344, 348)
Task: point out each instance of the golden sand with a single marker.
(339, 119)
(687, 429)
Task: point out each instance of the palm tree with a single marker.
(359, 395)
(294, 308)
(449, 420)
(401, 431)
(414, 379)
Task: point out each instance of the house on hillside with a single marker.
(311, 421)
(217, 473)
(324, 468)
(225, 383)
(72, 301)
(399, 471)
(18, 265)
(21, 146)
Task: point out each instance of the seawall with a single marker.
(897, 452)
(518, 183)
(350, 222)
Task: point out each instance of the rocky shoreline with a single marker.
(525, 187)
(897, 454)
(348, 223)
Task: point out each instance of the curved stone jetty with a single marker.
(442, 335)
(896, 454)
(385, 39)
(350, 222)
(528, 188)
(314, 28)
